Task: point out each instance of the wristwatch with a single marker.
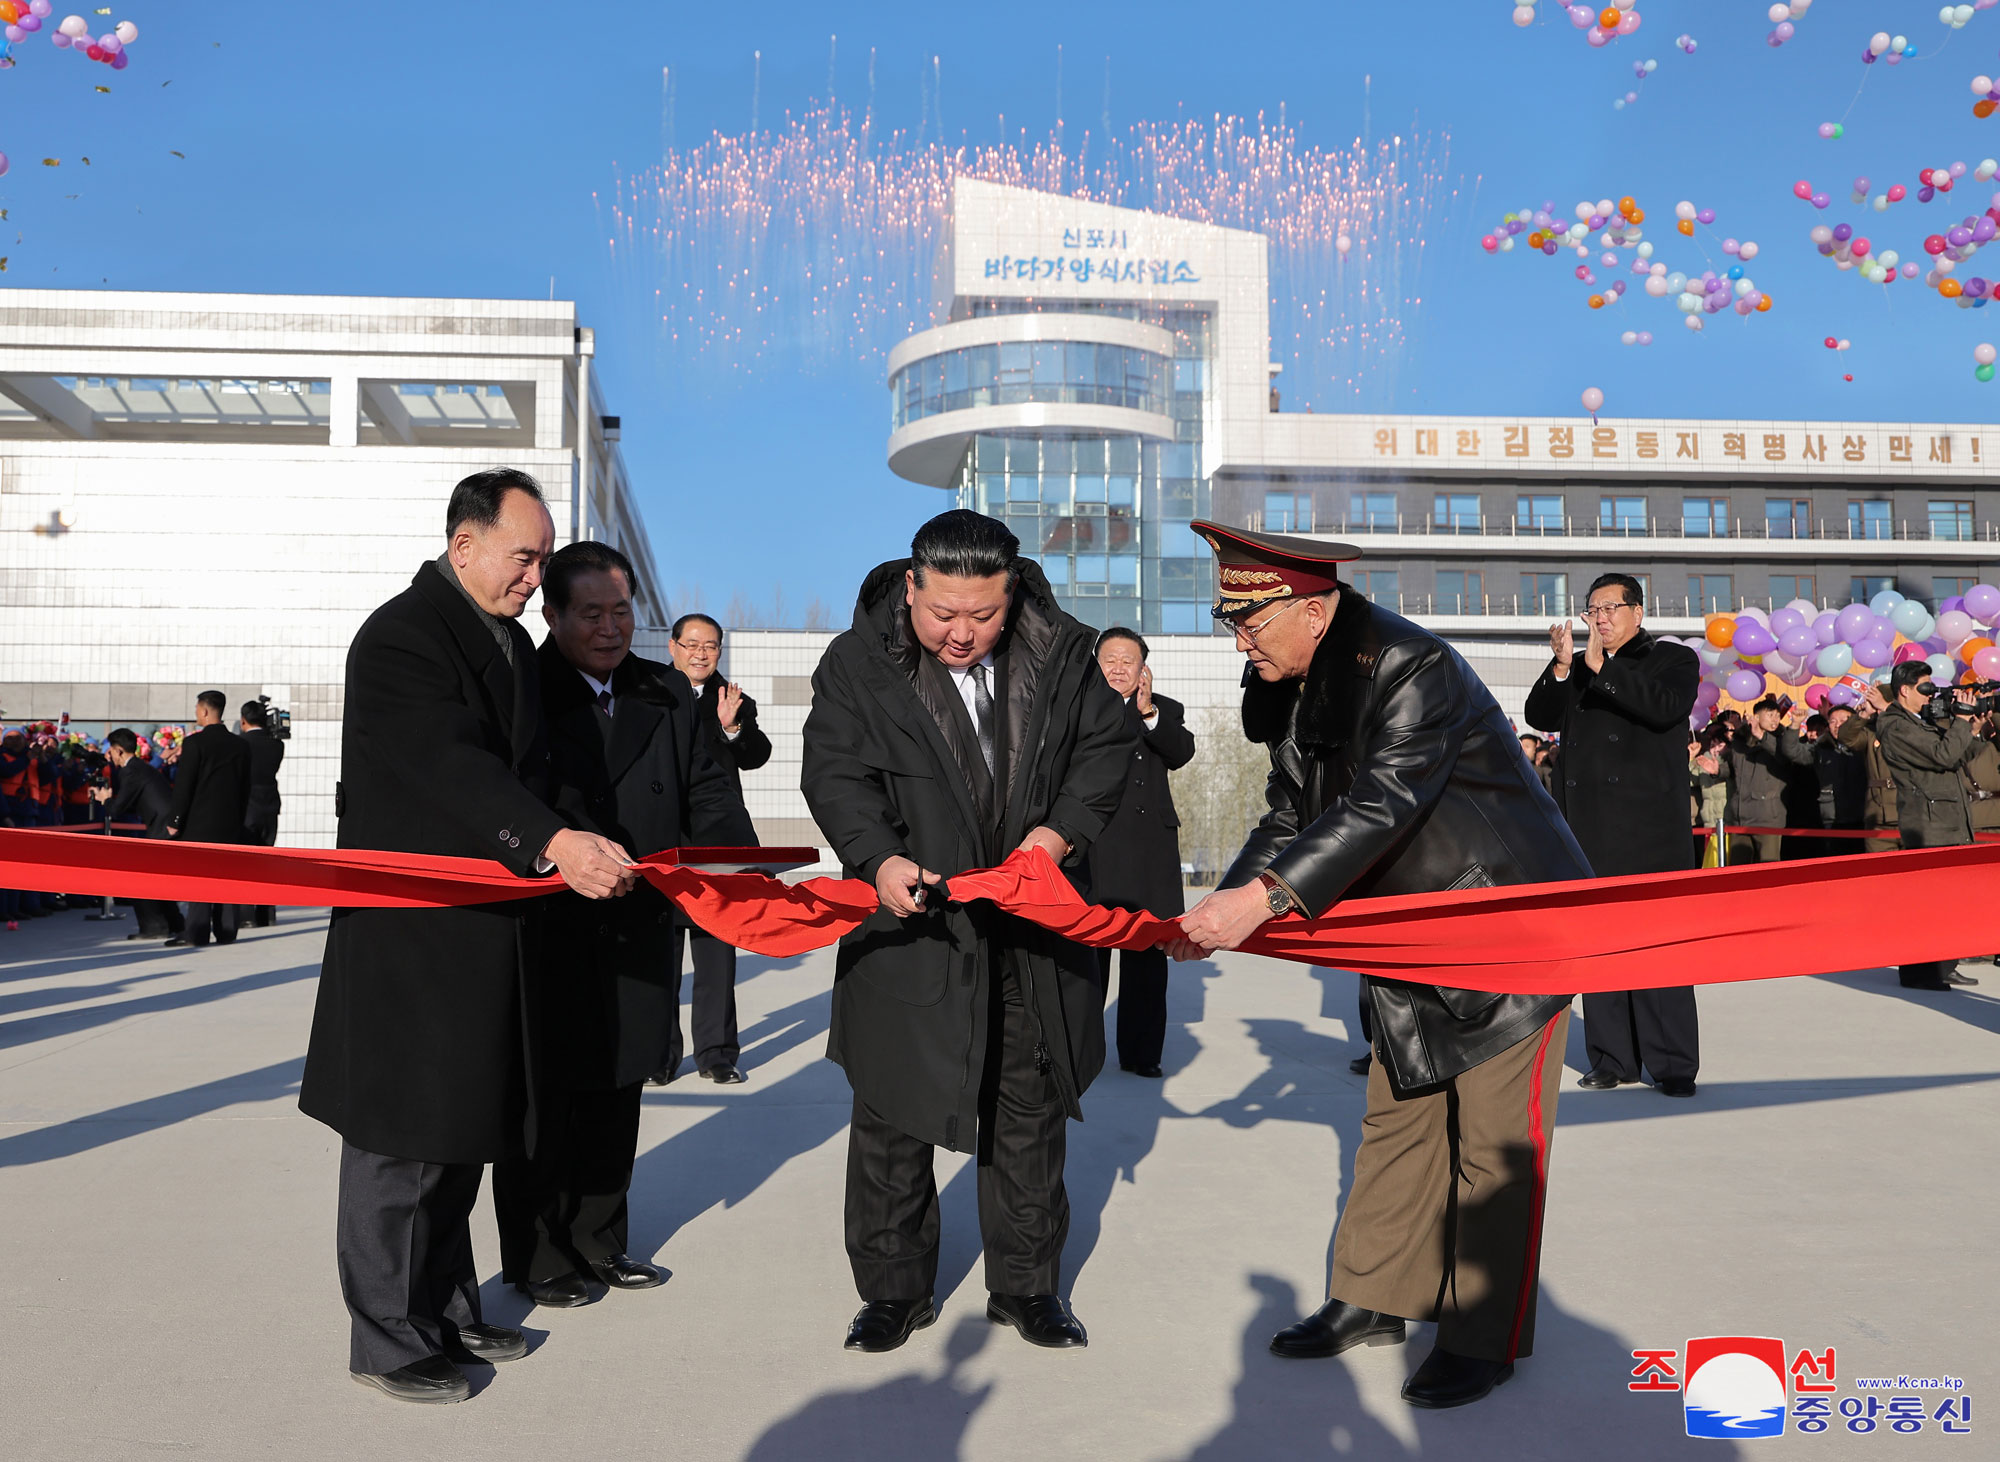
(1276, 899)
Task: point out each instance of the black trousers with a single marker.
(1925, 976)
(1658, 1027)
(404, 1246)
(202, 917)
(158, 917)
(564, 1208)
(1142, 1004)
(892, 1200)
(715, 1041)
(259, 916)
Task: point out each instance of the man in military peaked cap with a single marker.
(1393, 772)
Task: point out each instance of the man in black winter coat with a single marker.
(1136, 861)
(138, 793)
(425, 1036)
(1393, 771)
(625, 761)
(728, 722)
(1623, 715)
(211, 794)
(961, 717)
(260, 818)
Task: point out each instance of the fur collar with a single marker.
(1318, 710)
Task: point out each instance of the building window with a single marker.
(1860, 589)
(1943, 588)
(1709, 592)
(1185, 619)
(1545, 594)
(1951, 519)
(1704, 517)
(1374, 511)
(1787, 517)
(1380, 586)
(1455, 512)
(1869, 518)
(1288, 512)
(1538, 514)
(1621, 517)
(1787, 587)
(1461, 591)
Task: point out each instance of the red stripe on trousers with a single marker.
(1528, 1272)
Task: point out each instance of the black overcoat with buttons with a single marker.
(1622, 781)
(1136, 861)
(642, 776)
(424, 1031)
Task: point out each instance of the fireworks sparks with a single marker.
(823, 243)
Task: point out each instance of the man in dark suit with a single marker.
(728, 721)
(626, 760)
(1623, 715)
(138, 793)
(211, 793)
(260, 819)
(425, 1034)
(1136, 861)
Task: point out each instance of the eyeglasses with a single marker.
(1251, 633)
(694, 647)
(1604, 611)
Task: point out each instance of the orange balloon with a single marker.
(1534, 241)
(1968, 676)
(9, 12)
(1721, 632)
(1686, 226)
(1626, 205)
(1972, 647)
(1983, 108)
(1637, 215)
(1597, 302)
(1951, 289)
(1763, 303)
(1609, 17)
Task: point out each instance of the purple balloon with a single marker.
(1854, 623)
(1841, 695)
(1707, 215)
(1884, 629)
(1798, 641)
(1820, 200)
(1982, 602)
(1785, 620)
(1843, 231)
(1745, 685)
(1935, 645)
(30, 23)
(1706, 695)
(1872, 653)
(1983, 230)
(1753, 639)
(1824, 629)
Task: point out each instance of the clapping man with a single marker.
(138, 793)
(728, 721)
(211, 796)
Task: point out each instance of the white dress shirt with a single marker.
(600, 688)
(961, 676)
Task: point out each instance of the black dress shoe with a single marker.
(1676, 1086)
(1599, 1080)
(622, 1271)
(1359, 1065)
(433, 1379)
(885, 1324)
(1152, 1073)
(1953, 977)
(724, 1073)
(565, 1293)
(1336, 1326)
(176, 942)
(491, 1344)
(1042, 1319)
(661, 1077)
(1446, 1380)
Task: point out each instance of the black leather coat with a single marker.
(1392, 772)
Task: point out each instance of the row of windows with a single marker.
(1072, 371)
(1061, 455)
(1946, 519)
(1474, 591)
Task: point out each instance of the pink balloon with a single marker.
(1986, 664)
(1628, 22)
(1908, 651)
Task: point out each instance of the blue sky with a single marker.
(455, 150)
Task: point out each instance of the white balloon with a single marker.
(127, 32)
(1747, 252)
(1656, 286)
(74, 26)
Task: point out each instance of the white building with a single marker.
(215, 490)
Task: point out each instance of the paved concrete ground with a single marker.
(168, 1222)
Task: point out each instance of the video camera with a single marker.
(276, 720)
(1944, 702)
(96, 767)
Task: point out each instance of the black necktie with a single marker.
(604, 701)
(982, 713)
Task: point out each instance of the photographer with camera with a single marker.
(1925, 738)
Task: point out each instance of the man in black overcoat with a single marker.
(1623, 716)
(211, 792)
(138, 793)
(626, 761)
(260, 819)
(960, 718)
(728, 721)
(1135, 863)
(1393, 772)
(424, 1035)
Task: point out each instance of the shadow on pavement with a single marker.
(1635, 1103)
(26, 1029)
(1973, 1007)
(115, 1124)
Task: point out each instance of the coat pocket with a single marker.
(1468, 1004)
(904, 960)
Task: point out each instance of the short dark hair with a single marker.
(215, 700)
(687, 619)
(572, 561)
(1119, 632)
(125, 739)
(1635, 593)
(254, 713)
(1768, 703)
(1909, 673)
(962, 544)
(1816, 723)
(477, 499)
(1529, 736)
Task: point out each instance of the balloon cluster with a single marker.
(23, 17)
(1601, 24)
(74, 35)
(1686, 42)
(1636, 337)
(1620, 224)
(1742, 654)
(1983, 356)
(1987, 90)
(1781, 18)
(1640, 69)
(1948, 250)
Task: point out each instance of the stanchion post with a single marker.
(1721, 845)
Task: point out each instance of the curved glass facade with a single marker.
(1074, 372)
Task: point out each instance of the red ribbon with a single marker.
(1698, 927)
